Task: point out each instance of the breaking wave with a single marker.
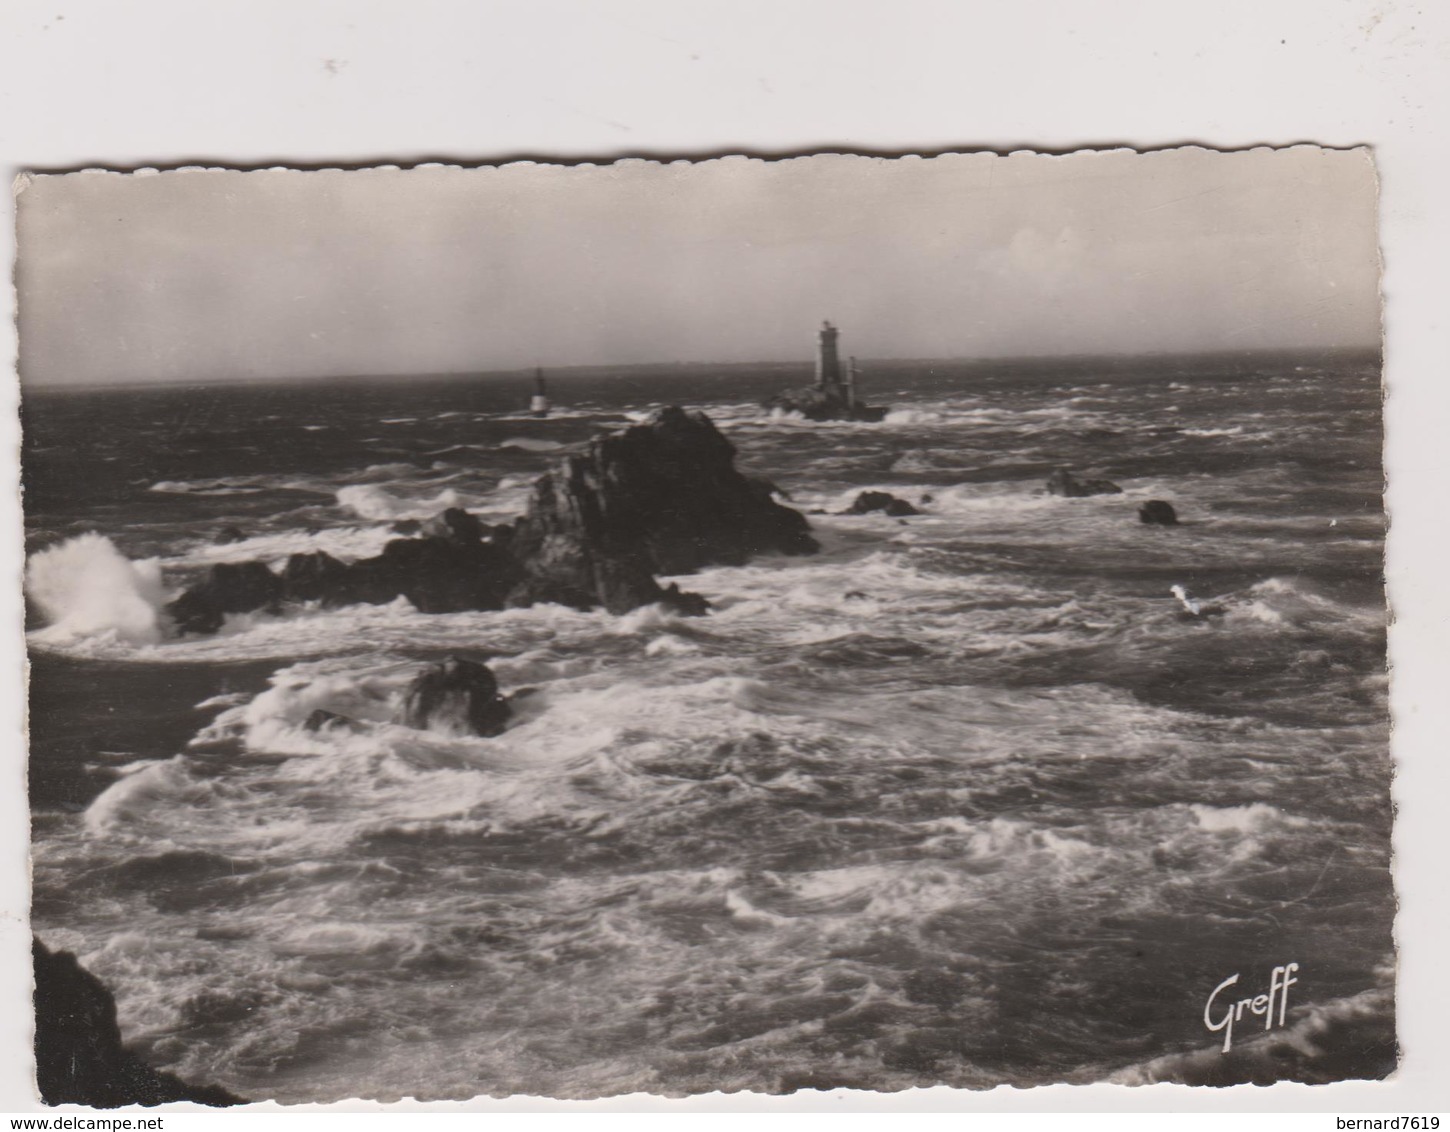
(369, 501)
(88, 589)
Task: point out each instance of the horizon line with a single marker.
(529, 369)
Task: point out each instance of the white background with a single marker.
(153, 83)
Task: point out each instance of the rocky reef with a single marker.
(1063, 482)
(662, 497)
(79, 1058)
(883, 501)
(816, 404)
(659, 498)
(229, 587)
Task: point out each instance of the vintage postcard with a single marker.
(667, 627)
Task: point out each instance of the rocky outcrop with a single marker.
(311, 577)
(1063, 482)
(869, 501)
(457, 696)
(1159, 512)
(817, 404)
(436, 574)
(79, 1058)
(662, 497)
(229, 587)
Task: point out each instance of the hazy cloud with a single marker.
(217, 274)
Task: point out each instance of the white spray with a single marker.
(86, 588)
(1192, 604)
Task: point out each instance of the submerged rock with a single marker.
(454, 523)
(1158, 511)
(228, 535)
(320, 719)
(229, 587)
(455, 695)
(1063, 482)
(79, 1057)
(869, 501)
(683, 602)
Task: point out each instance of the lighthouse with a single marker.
(836, 394)
(828, 361)
(539, 403)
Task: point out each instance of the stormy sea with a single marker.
(969, 797)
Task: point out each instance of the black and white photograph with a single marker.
(677, 626)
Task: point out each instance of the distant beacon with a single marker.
(828, 360)
(539, 403)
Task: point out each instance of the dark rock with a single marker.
(856, 595)
(228, 535)
(1063, 482)
(437, 575)
(311, 577)
(767, 489)
(568, 567)
(406, 527)
(869, 501)
(1158, 511)
(79, 1058)
(229, 587)
(682, 602)
(456, 524)
(320, 719)
(456, 695)
(823, 405)
(662, 497)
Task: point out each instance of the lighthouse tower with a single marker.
(828, 361)
(539, 402)
(836, 394)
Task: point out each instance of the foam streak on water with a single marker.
(961, 799)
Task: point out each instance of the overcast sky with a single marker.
(212, 275)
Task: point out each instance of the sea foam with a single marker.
(88, 588)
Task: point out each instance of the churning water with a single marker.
(960, 800)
